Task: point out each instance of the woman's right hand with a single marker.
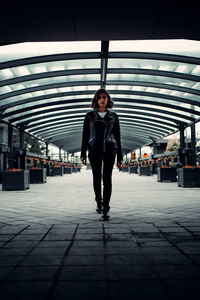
(83, 160)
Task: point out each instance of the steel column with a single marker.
(193, 143)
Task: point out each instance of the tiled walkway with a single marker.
(54, 246)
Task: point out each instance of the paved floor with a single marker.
(54, 246)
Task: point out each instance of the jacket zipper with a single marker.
(104, 140)
(90, 140)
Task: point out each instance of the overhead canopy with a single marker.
(48, 87)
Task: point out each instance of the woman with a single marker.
(101, 137)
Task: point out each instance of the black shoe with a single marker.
(105, 216)
(98, 209)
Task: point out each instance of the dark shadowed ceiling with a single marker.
(98, 20)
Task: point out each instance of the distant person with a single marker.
(101, 137)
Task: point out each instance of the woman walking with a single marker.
(101, 137)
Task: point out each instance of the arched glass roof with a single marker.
(48, 87)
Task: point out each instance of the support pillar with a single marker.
(21, 137)
(182, 137)
(23, 158)
(154, 147)
(47, 149)
(140, 152)
(193, 144)
(181, 152)
(10, 145)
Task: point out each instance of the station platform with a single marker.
(53, 245)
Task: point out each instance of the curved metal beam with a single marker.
(52, 134)
(109, 82)
(149, 120)
(155, 56)
(36, 121)
(155, 85)
(93, 55)
(60, 73)
(46, 97)
(85, 100)
(120, 92)
(75, 139)
(80, 124)
(76, 132)
(68, 142)
(153, 72)
(138, 125)
(49, 58)
(49, 74)
(48, 127)
(159, 111)
(155, 95)
(33, 125)
(154, 116)
(47, 87)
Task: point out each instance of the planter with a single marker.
(68, 170)
(57, 171)
(133, 170)
(38, 175)
(166, 174)
(124, 169)
(188, 177)
(15, 180)
(144, 171)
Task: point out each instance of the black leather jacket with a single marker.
(101, 134)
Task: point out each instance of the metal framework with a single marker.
(153, 92)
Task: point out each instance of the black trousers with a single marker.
(102, 166)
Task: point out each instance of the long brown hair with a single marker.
(94, 103)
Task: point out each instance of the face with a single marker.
(103, 100)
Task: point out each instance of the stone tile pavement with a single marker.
(54, 246)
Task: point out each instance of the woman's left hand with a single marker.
(119, 164)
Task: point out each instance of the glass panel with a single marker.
(132, 118)
(180, 46)
(23, 50)
(49, 67)
(158, 117)
(58, 124)
(149, 78)
(151, 64)
(54, 80)
(72, 111)
(38, 122)
(80, 88)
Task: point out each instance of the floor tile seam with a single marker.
(194, 234)
(138, 243)
(14, 236)
(23, 258)
(56, 277)
(179, 249)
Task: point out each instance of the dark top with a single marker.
(101, 134)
